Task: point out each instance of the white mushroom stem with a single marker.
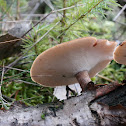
(83, 79)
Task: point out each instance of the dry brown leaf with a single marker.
(9, 45)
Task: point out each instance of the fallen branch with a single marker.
(83, 110)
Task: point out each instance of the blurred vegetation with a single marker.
(88, 19)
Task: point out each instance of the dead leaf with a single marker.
(9, 45)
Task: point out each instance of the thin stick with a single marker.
(36, 24)
(2, 79)
(16, 69)
(101, 91)
(105, 78)
(124, 7)
(33, 15)
(8, 98)
(10, 41)
(26, 82)
(17, 21)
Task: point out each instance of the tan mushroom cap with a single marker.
(58, 65)
(120, 53)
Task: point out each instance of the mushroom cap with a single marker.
(120, 53)
(58, 65)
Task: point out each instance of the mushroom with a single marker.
(71, 62)
(120, 53)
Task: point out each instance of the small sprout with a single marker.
(43, 116)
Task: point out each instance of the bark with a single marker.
(83, 110)
(74, 112)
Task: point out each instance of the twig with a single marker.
(8, 98)
(16, 94)
(10, 41)
(120, 12)
(124, 7)
(27, 56)
(36, 24)
(17, 21)
(67, 8)
(33, 15)
(105, 78)
(16, 69)
(2, 76)
(101, 91)
(26, 82)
